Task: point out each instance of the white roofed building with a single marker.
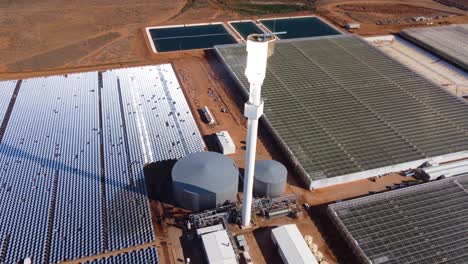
(218, 248)
(291, 245)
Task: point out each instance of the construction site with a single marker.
(208, 131)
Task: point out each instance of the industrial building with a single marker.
(292, 247)
(342, 110)
(205, 180)
(72, 182)
(447, 42)
(426, 223)
(218, 248)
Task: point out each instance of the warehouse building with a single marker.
(447, 42)
(426, 223)
(292, 247)
(218, 248)
(342, 110)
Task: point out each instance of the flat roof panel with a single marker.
(293, 245)
(218, 248)
(343, 108)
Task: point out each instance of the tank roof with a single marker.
(270, 171)
(208, 170)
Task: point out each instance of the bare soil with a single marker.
(54, 37)
(380, 17)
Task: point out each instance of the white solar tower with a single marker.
(259, 48)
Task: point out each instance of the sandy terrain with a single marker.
(55, 36)
(63, 36)
(380, 17)
(74, 34)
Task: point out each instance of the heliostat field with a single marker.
(72, 155)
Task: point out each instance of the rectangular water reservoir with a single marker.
(188, 37)
(245, 28)
(299, 27)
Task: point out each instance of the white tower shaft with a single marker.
(257, 55)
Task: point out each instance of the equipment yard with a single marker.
(94, 115)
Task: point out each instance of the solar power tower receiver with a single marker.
(259, 48)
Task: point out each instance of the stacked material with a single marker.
(437, 171)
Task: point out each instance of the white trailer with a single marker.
(292, 247)
(225, 142)
(209, 117)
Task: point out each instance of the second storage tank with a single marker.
(270, 178)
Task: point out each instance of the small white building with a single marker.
(291, 245)
(218, 248)
(225, 142)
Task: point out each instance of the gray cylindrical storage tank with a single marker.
(270, 178)
(204, 180)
